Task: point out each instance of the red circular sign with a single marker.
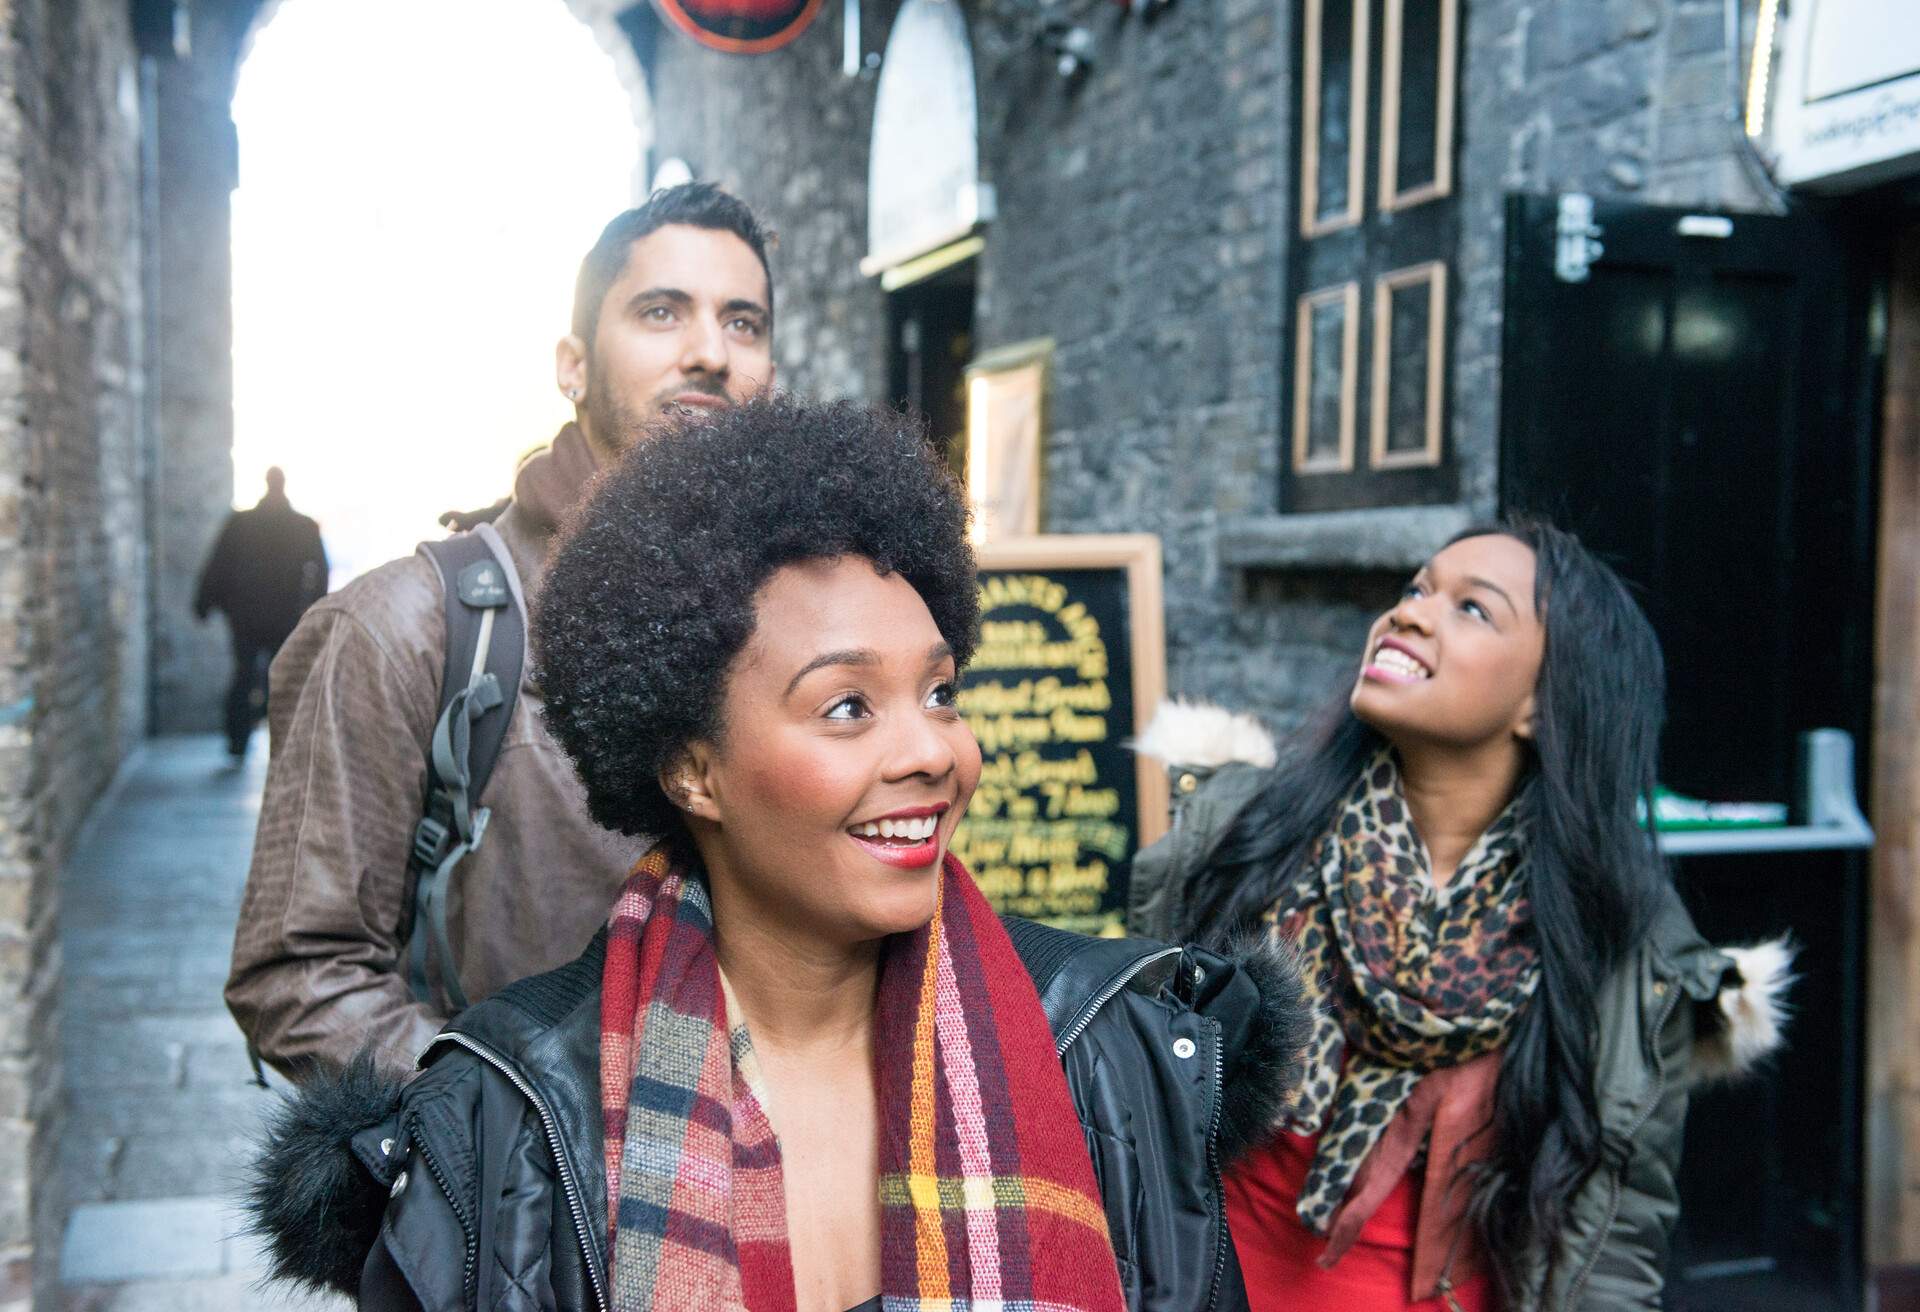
(741, 27)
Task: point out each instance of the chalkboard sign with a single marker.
(1072, 661)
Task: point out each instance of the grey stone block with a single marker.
(1400, 538)
(159, 1239)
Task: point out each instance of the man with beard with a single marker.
(672, 313)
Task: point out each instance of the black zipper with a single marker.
(1633, 1131)
(1106, 994)
(563, 1164)
(1213, 1167)
(469, 1225)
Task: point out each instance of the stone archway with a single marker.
(193, 159)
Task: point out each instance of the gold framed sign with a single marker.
(1071, 663)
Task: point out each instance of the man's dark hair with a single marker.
(651, 590)
(696, 204)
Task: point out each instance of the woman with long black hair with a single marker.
(1513, 1001)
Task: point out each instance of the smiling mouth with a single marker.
(909, 841)
(1398, 666)
(897, 833)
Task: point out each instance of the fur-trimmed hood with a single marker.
(1744, 1027)
(319, 1186)
(1269, 1055)
(1751, 1010)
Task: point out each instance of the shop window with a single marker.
(1375, 169)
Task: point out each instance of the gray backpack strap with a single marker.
(479, 683)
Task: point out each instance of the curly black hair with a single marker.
(651, 590)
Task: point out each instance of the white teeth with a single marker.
(915, 831)
(1389, 658)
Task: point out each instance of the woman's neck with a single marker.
(799, 994)
(1454, 796)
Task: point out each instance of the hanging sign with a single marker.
(923, 167)
(1071, 662)
(740, 27)
(1847, 104)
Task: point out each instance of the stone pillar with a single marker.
(196, 159)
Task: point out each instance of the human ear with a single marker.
(1523, 722)
(688, 780)
(570, 367)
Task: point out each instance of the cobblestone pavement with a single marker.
(161, 1103)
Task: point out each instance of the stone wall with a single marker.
(788, 133)
(1144, 219)
(1144, 224)
(73, 579)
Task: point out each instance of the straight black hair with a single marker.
(697, 205)
(1594, 877)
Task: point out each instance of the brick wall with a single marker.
(73, 586)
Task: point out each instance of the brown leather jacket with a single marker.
(319, 958)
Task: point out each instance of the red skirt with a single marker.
(1279, 1256)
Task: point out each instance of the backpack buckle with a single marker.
(429, 842)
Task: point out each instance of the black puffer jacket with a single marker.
(482, 1184)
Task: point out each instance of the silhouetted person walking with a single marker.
(267, 566)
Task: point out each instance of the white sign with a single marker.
(923, 171)
(1848, 99)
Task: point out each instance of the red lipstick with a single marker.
(912, 850)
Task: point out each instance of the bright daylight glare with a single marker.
(418, 182)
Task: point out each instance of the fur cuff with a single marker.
(1751, 1014)
(1205, 735)
(309, 1197)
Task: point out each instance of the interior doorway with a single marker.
(1695, 401)
(929, 343)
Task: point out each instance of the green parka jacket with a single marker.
(1677, 1014)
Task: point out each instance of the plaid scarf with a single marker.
(987, 1194)
(1407, 979)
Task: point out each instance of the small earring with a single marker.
(573, 394)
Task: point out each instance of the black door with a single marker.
(930, 341)
(1696, 408)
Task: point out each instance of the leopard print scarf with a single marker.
(1408, 978)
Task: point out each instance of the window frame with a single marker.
(1434, 274)
(1347, 296)
(1392, 43)
(1311, 223)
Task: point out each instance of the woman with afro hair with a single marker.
(805, 1066)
